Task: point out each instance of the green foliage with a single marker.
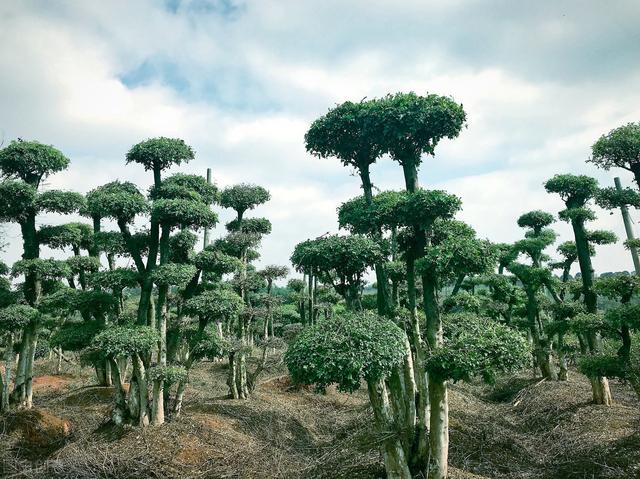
(17, 316)
(458, 256)
(216, 262)
(575, 190)
(620, 147)
(463, 302)
(632, 243)
(347, 256)
(506, 253)
(422, 207)
(626, 314)
(273, 272)
(577, 214)
(588, 323)
(79, 264)
(214, 304)
(75, 335)
(349, 132)
(173, 274)
(235, 243)
(359, 217)
(110, 242)
(31, 161)
(184, 213)
(243, 197)
(602, 365)
(476, 346)
(414, 124)
(120, 201)
(567, 309)
(158, 154)
(45, 268)
(345, 349)
(291, 331)
(207, 343)
(168, 374)
(183, 186)
(601, 237)
(69, 300)
(116, 279)
(396, 270)
(57, 201)
(257, 226)
(296, 285)
(530, 276)
(536, 220)
(119, 341)
(611, 198)
(17, 200)
(73, 235)
(181, 246)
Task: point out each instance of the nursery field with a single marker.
(521, 428)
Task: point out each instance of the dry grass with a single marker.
(518, 429)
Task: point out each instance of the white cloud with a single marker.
(539, 85)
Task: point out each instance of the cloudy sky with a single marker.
(241, 80)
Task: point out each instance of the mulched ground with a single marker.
(519, 428)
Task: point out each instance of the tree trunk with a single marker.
(119, 414)
(231, 378)
(395, 461)
(157, 407)
(439, 429)
(540, 345)
(8, 364)
(143, 390)
(311, 298)
(420, 449)
(563, 374)
(33, 342)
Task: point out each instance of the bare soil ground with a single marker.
(519, 428)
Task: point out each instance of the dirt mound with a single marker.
(53, 382)
(521, 428)
(41, 429)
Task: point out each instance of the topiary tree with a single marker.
(132, 343)
(243, 197)
(23, 165)
(414, 125)
(352, 132)
(577, 191)
(13, 318)
(534, 278)
(345, 350)
(271, 273)
(620, 148)
(244, 236)
(341, 261)
(297, 286)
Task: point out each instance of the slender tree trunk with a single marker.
(231, 378)
(563, 374)
(439, 428)
(395, 461)
(420, 450)
(311, 297)
(599, 384)
(8, 364)
(33, 342)
(139, 372)
(119, 413)
(540, 344)
(438, 396)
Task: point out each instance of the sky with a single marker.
(241, 81)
